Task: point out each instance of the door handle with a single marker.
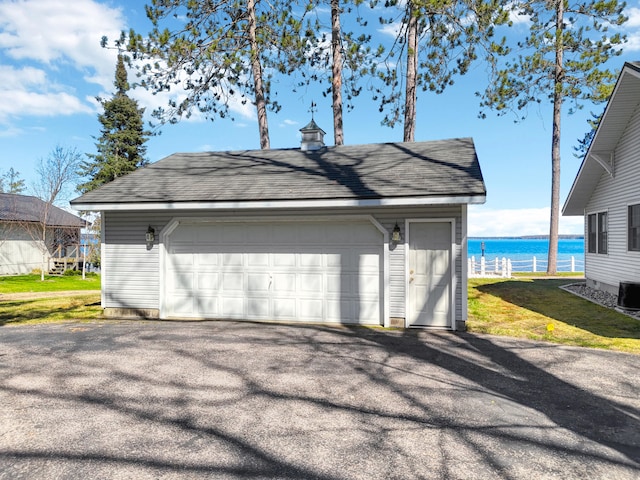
(410, 279)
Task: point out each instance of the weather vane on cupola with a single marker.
(312, 134)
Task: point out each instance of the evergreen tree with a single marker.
(121, 146)
(563, 52)
(438, 39)
(224, 50)
(11, 182)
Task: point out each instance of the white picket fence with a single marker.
(504, 267)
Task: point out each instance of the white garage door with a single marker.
(317, 272)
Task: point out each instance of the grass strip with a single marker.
(538, 309)
(32, 283)
(48, 310)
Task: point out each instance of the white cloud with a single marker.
(633, 30)
(14, 103)
(391, 29)
(26, 91)
(486, 222)
(288, 123)
(59, 32)
(42, 41)
(634, 17)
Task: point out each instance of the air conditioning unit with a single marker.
(629, 296)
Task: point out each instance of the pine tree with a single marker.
(562, 60)
(224, 50)
(121, 146)
(11, 182)
(438, 39)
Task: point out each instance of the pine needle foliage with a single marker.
(121, 145)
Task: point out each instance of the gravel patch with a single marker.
(605, 299)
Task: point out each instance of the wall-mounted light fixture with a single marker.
(395, 234)
(150, 236)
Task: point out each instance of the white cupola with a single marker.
(312, 135)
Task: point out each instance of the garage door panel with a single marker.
(183, 303)
(369, 285)
(208, 304)
(368, 311)
(284, 308)
(310, 283)
(232, 282)
(232, 307)
(232, 259)
(284, 283)
(311, 259)
(291, 271)
(258, 307)
(182, 281)
(258, 259)
(258, 282)
(368, 262)
(208, 281)
(284, 259)
(310, 309)
(207, 259)
(178, 260)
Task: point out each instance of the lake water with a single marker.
(522, 250)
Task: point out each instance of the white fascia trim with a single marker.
(275, 204)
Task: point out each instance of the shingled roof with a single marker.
(375, 171)
(25, 208)
(623, 103)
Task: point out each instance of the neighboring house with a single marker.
(607, 189)
(25, 245)
(370, 234)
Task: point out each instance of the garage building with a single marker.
(364, 234)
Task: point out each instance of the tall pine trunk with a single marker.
(336, 80)
(411, 82)
(552, 263)
(256, 69)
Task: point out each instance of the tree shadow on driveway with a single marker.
(242, 400)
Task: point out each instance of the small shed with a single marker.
(606, 190)
(364, 234)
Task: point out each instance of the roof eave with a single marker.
(286, 204)
(583, 184)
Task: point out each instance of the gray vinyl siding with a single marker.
(20, 249)
(131, 272)
(614, 195)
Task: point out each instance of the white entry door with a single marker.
(430, 279)
(308, 271)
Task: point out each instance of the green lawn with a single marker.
(538, 309)
(55, 309)
(32, 283)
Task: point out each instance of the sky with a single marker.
(52, 68)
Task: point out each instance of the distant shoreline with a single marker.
(530, 237)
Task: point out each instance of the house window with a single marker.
(597, 233)
(602, 232)
(634, 228)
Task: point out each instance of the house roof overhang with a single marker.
(284, 204)
(600, 157)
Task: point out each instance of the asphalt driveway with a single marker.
(156, 400)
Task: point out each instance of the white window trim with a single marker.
(587, 243)
(626, 228)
